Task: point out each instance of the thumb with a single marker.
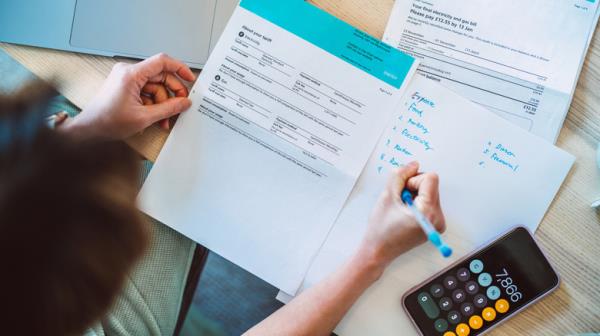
(399, 178)
(168, 108)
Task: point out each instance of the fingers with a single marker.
(164, 124)
(428, 198)
(153, 93)
(436, 217)
(147, 100)
(172, 82)
(398, 179)
(157, 91)
(175, 85)
(426, 185)
(161, 63)
(167, 109)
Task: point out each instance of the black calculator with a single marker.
(483, 289)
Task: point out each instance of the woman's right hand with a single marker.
(393, 229)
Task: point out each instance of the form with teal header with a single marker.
(336, 37)
(285, 115)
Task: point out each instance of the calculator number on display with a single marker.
(506, 282)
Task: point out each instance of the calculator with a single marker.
(483, 289)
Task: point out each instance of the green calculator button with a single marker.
(429, 307)
(441, 325)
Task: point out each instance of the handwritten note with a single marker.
(411, 137)
(410, 133)
(500, 155)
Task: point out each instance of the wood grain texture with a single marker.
(569, 232)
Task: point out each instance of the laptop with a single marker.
(185, 29)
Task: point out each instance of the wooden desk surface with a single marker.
(570, 232)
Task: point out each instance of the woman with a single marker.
(66, 266)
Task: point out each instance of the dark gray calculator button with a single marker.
(480, 301)
(454, 317)
(463, 274)
(437, 291)
(467, 309)
(441, 325)
(458, 296)
(450, 282)
(428, 306)
(472, 287)
(445, 303)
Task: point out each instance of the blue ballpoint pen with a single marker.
(432, 235)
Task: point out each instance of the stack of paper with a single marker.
(281, 157)
(518, 59)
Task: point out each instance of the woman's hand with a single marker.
(393, 230)
(133, 97)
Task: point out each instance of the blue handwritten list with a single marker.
(500, 155)
(409, 134)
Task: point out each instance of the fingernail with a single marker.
(413, 164)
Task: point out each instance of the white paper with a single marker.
(279, 131)
(493, 176)
(519, 59)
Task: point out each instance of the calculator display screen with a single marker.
(486, 288)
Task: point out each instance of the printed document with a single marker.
(519, 59)
(493, 176)
(285, 115)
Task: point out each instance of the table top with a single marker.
(569, 232)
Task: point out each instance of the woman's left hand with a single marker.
(133, 97)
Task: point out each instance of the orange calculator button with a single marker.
(476, 322)
(463, 329)
(488, 314)
(449, 333)
(502, 306)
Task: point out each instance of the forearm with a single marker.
(62, 123)
(318, 310)
(79, 130)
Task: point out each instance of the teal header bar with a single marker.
(336, 37)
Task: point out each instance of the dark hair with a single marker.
(69, 229)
